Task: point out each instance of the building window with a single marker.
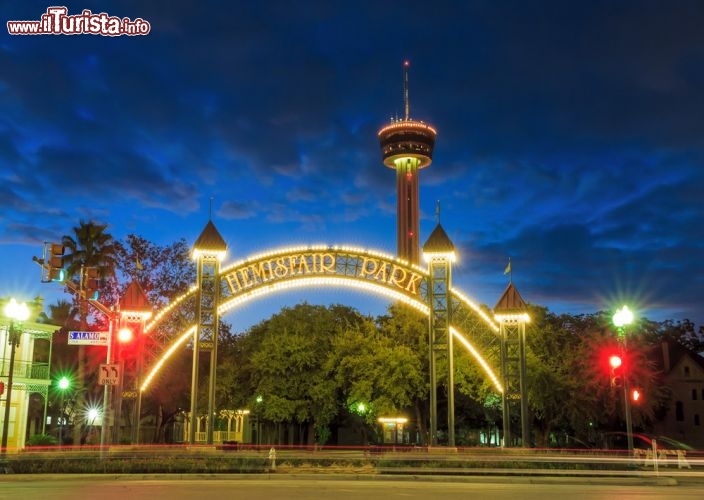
(686, 371)
(696, 419)
(694, 394)
(679, 411)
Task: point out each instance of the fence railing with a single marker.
(25, 369)
(219, 436)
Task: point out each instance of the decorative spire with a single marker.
(134, 299)
(209, 242)
(438, 242)
(510, 301)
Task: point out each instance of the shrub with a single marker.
(42, 440)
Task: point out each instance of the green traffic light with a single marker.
(64, 383)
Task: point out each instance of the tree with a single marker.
(554, 391)
(164, 272)
(290, 375)
(89, 247)
(406, 327)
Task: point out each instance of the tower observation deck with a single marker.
(407, 146)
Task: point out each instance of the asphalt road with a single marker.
(336, 488)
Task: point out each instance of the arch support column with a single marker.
(511, 313)
(208, 252)
(439, 253)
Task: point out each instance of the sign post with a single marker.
(106, 390)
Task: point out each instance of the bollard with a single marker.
(272, 459)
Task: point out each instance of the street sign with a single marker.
(88, 338)
(109, 374)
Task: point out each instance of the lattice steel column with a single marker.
(439, 252)
(511, 314)
(134, 311)
(208, 251)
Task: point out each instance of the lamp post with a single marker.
(622, 318)
(64, 384)
(17, 312)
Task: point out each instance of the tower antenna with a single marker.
(406, 64)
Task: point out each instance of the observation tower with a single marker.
(407, 146)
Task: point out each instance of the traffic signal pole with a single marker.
(52, 271)
(106, 393)
(627, 401)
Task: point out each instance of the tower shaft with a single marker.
(407, 209)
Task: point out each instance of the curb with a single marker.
(516, 479)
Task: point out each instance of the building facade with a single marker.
(683, 375)
(30, 384)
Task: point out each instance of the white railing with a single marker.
(219, 436)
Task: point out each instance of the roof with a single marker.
(134, 299)
(30, 327)
(210, 239)
(675, 353)
(438, 242)
(511, 300)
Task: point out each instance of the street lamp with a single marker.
(16, 312)
(64, 383)
(622, 318)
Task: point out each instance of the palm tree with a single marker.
(63, 313)
(91, 247)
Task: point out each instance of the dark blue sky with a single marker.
(570, 138)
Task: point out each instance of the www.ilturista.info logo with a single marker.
(56, 21)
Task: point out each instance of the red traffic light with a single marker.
(125, 335)
(616, 371)
(636, 395)
(2, 388)
(615, 361)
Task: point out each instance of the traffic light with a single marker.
(125, 335)
(56, 262)
(127, 344)
(64, 383)
(91, 282)
(615, 362)
(636, 396)
(2, 388)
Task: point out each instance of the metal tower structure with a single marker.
(134, 311)
(512, 314)
(407, 146)
(439, 253)
(208, 251)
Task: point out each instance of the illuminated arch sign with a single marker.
(317, 266)
(323, 262)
